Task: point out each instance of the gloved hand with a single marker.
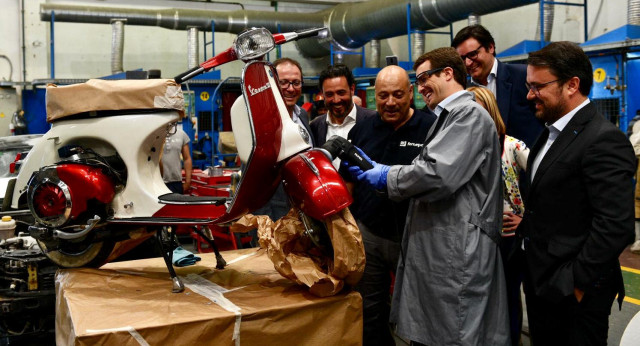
(352, 167)
(376, 177)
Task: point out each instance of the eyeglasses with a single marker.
(422, 78)
(536, 87)
(472, 55)
(284, 84)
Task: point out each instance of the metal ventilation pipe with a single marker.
(351, 25)
(374, 57)
(117, 45)
(193, 48)
(633, 12)
(473, 19)
(549, 12)
(417, 41)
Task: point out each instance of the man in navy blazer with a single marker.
(338, 87)
(476, 46)
(579, 203)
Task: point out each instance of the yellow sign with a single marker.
(599, 75)
(204, 96)
(1, 115)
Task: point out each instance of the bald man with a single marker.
(394, 137)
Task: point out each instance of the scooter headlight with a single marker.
(253, 43)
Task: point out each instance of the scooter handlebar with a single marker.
(310, 32)
(184, 76)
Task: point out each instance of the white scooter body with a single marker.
(138, 139)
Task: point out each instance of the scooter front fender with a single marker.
(314, 185)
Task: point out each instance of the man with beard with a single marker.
(450, 287)
(338, 87)
(477, 48)
(393, 137)
(579, 212)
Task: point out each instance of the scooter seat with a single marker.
(176, 198)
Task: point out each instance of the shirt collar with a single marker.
(493, 74)
(443, 104)
(494, 69)
(561, 123)
(349, 118)
(296, 113)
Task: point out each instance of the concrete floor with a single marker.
(619, 319)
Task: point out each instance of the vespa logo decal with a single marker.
(253, 91)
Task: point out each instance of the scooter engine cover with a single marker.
(314, 185)
(59, 193)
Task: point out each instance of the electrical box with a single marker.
(371, 98)
(418, 100)
(8, 106)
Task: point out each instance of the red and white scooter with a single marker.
(94, 187)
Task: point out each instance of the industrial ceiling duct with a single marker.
(547, 22)
(117, 45)
(193, 51)
(473, 19)
(633, 12)
(351, 25)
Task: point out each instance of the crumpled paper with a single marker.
(295, 257)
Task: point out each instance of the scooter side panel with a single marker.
(314, 185)
(137, 138)
(260, 176)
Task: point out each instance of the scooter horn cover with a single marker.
(314, 185)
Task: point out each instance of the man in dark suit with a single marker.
(579, 204)
(476, 46)
(338, 87)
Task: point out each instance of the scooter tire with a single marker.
(94, 255)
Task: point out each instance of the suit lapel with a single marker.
(503, 91)
(565, 138)
(540, 142)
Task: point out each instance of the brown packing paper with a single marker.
(295, 257)
(130, 303)
(102, 95)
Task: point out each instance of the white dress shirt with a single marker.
(491, 78)
(341, 130)
(554, 131)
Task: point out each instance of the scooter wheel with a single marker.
(74, 255)
(316, 231)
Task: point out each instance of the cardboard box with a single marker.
(247, 303)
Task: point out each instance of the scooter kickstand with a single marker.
(220, 262)
(167, 240)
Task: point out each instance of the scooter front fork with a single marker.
(168, 241)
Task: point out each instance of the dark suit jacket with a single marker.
(517, 113)
(579, 207)
(319, 125)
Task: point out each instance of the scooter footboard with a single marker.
(314, 185)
